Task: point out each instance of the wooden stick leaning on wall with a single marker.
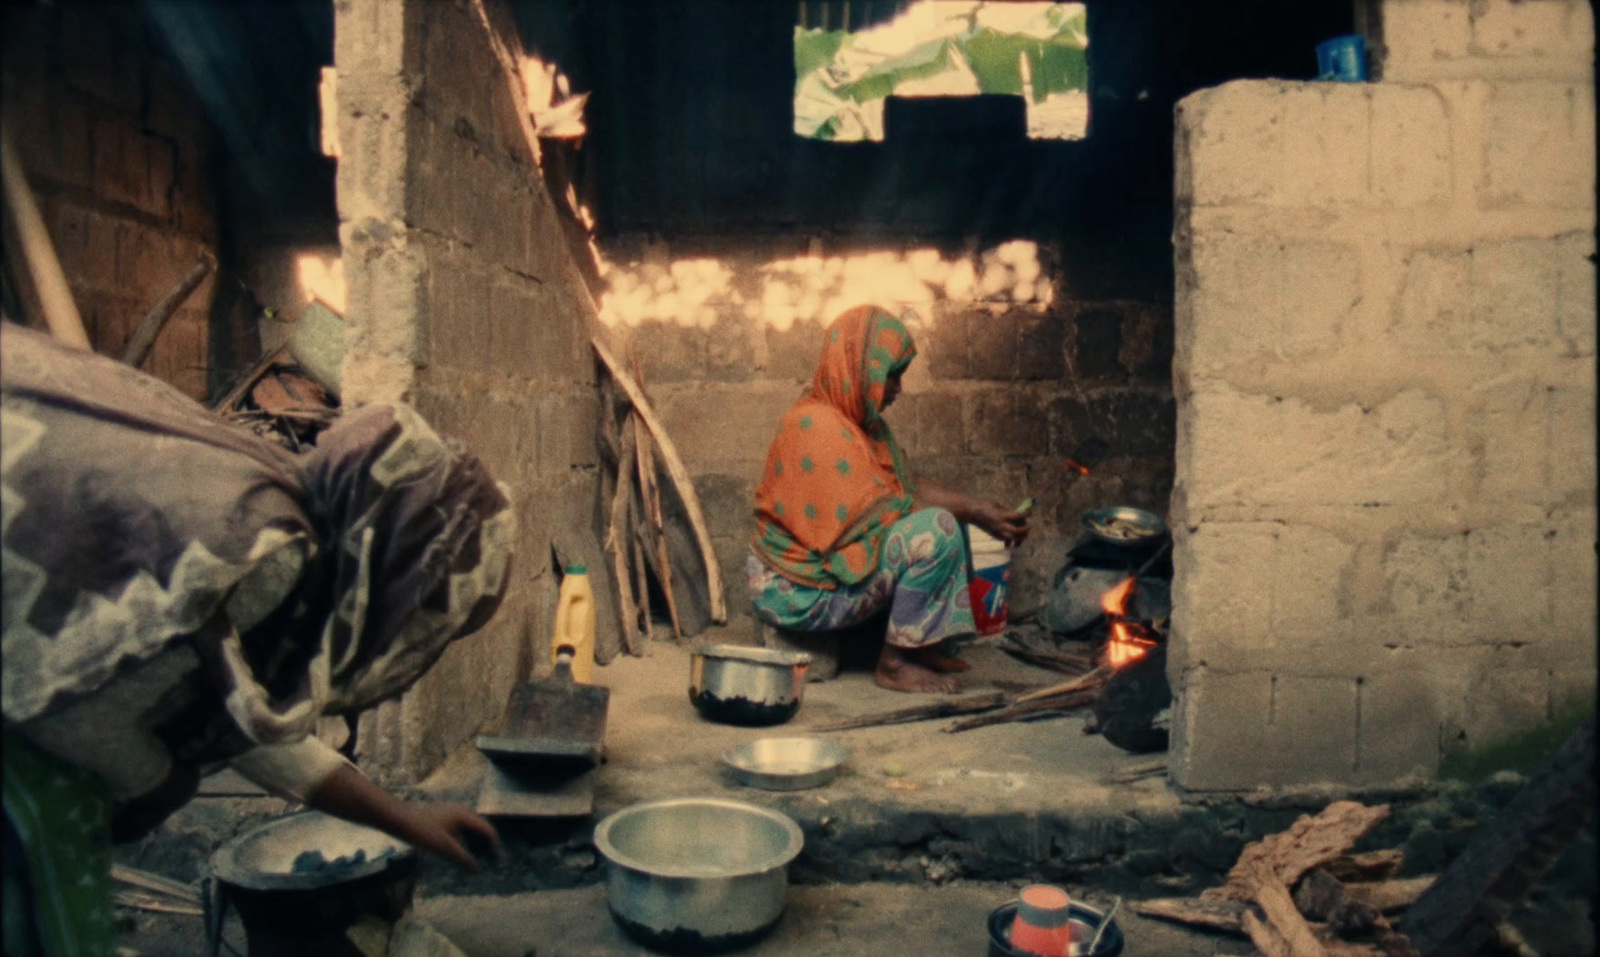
(680, 479)
(38, 252)
(618, 540)
(650, 493)
(512, 76)
(151, 325)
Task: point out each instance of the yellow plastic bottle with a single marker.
(575, 622)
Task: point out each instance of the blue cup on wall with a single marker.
(1342, 59)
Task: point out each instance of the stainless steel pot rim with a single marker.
(240, 861)
(760, 656)
(608, 850)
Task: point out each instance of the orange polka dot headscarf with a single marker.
(835, 479)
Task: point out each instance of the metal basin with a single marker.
(265, 858)
(733, 684)
(697, 875)
(785, 764)
(1085, 922)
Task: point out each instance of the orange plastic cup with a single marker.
(1041, 926)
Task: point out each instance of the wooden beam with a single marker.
(38, 252)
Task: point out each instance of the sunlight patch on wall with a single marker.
(322, 277)
(696, 293)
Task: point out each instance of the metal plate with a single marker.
(785, 764)
(1122, 525)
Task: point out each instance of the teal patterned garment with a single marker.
(62, 817)
(922, 579)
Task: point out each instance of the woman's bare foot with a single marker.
(935, 660)
(897, 672)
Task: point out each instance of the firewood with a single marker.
(680, 479)
(1463, 908)
(641, 583)
(620, 544)
(650, 494)
(1511, 939)
(655, 528)
(150, 326)
(230, 401)
(1285, 918)
(1309, 842)
(1138, 772)
(1265, 936)
(1367, 866)
(1322, 897)
(1093, 680)
(922, 712)
(1223, 914)
(1025, 709)
(1392, 895)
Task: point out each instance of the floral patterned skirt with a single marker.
(921, 578)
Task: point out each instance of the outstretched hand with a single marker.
(1006, 524)
(449, 830)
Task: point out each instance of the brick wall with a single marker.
(1015, 367)
(1385, 372)
(463, 300)
(116, 152)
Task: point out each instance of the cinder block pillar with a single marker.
(465, 302)
(1385, 372)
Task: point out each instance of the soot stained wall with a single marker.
(117, 153)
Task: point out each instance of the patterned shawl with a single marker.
(835, 479)
(135, 520)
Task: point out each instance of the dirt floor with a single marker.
(839, 920)
(658, 746)
(907, 851)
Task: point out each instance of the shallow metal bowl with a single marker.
(786, 764)
(264, 859)
(734, 684)
(1123, 525)
(697, 874)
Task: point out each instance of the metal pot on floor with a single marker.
(299, 883)
(697, 875)
(732, 684)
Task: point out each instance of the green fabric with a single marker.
(63, 816)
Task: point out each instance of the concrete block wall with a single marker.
(1385, 373)
(1013, 371)
(464, 301)
(116, 152)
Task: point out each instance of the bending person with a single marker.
(843, 532)
(180, 595)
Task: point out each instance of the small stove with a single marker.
(1093, 569)
(1118, 598)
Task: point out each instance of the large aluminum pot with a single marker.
(751, 686)
(695, 875)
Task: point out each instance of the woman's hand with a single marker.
(450, 831)
(1003, 523)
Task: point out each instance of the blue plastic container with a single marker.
(1342, 59)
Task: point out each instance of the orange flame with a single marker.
(1124, 647)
